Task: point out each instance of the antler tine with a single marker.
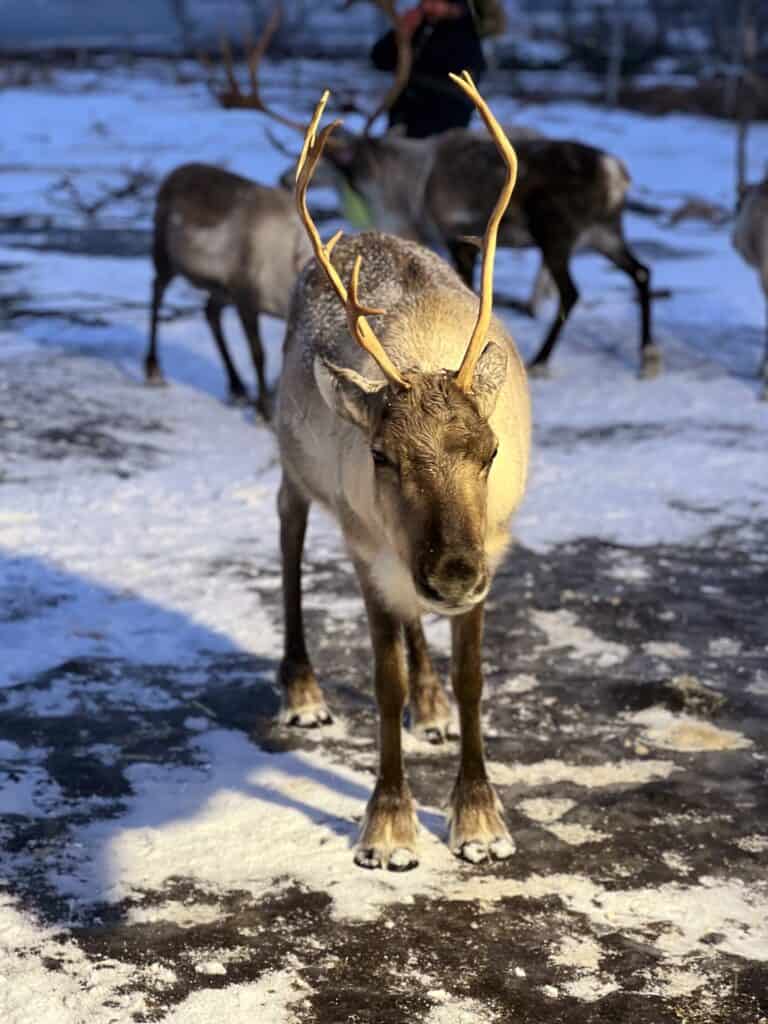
(402, 65)
(355, 309)
(257, 52)
(233, 97)
(361, 330)
(480, 331)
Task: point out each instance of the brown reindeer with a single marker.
(412, 428)
(750, 239)
(241, 242)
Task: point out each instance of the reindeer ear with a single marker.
(347, 393)
(490, 373)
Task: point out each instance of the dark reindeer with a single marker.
(241, 242)
(413, 430)
(440, 191)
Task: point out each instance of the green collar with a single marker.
(355, 208)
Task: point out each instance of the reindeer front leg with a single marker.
(478, 831)
(388, 834)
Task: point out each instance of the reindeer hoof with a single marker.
(437, 733)
(400, 859)
(473, 852)
(238, 397)
(651, 362)
(476, 852)
(540, 370)
(309, 718)
(265, 407)
(434, 735)
(154, 378)
(501, 848)
(368, 858)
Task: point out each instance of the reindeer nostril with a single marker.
(459, 570)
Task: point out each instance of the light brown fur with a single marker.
(410, 475)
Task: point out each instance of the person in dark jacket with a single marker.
(444, 38)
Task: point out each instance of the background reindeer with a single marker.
(241, 242)
(417, 442)
(750, 239)
(440, 192)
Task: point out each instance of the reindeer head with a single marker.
(431, 444)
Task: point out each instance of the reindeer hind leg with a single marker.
(430, 709)
(213, 309)
(611, 243)
(556, 262)
(163, 277)
(303, 702)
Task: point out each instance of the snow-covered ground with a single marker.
(164, 841)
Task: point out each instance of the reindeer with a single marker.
(417, 441)
(750, 239)
(241, 242)
(440, 191)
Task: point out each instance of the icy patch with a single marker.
(589, 989)
(665, 649)
(629, 568)
(460, 1011)
(583, 953)
(517, 685)
(662, 728)
(725, 647)
(575, 834)
(543, 810)
(753, 844)
(183, 915)
(673, 982)
(616, 773)
(275, 997)
(69, 991)
(675, 919)
(562, 631)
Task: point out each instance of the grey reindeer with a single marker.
(413, 430)
(750, 239)
(241, 242)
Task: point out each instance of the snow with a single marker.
(124, 565)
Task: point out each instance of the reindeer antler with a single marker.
(361, 330)
(480, 331)
(402, 66)
(233, 96)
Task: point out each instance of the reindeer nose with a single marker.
(457, 578)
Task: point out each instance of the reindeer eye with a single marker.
(487, 464)
(380, 459)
